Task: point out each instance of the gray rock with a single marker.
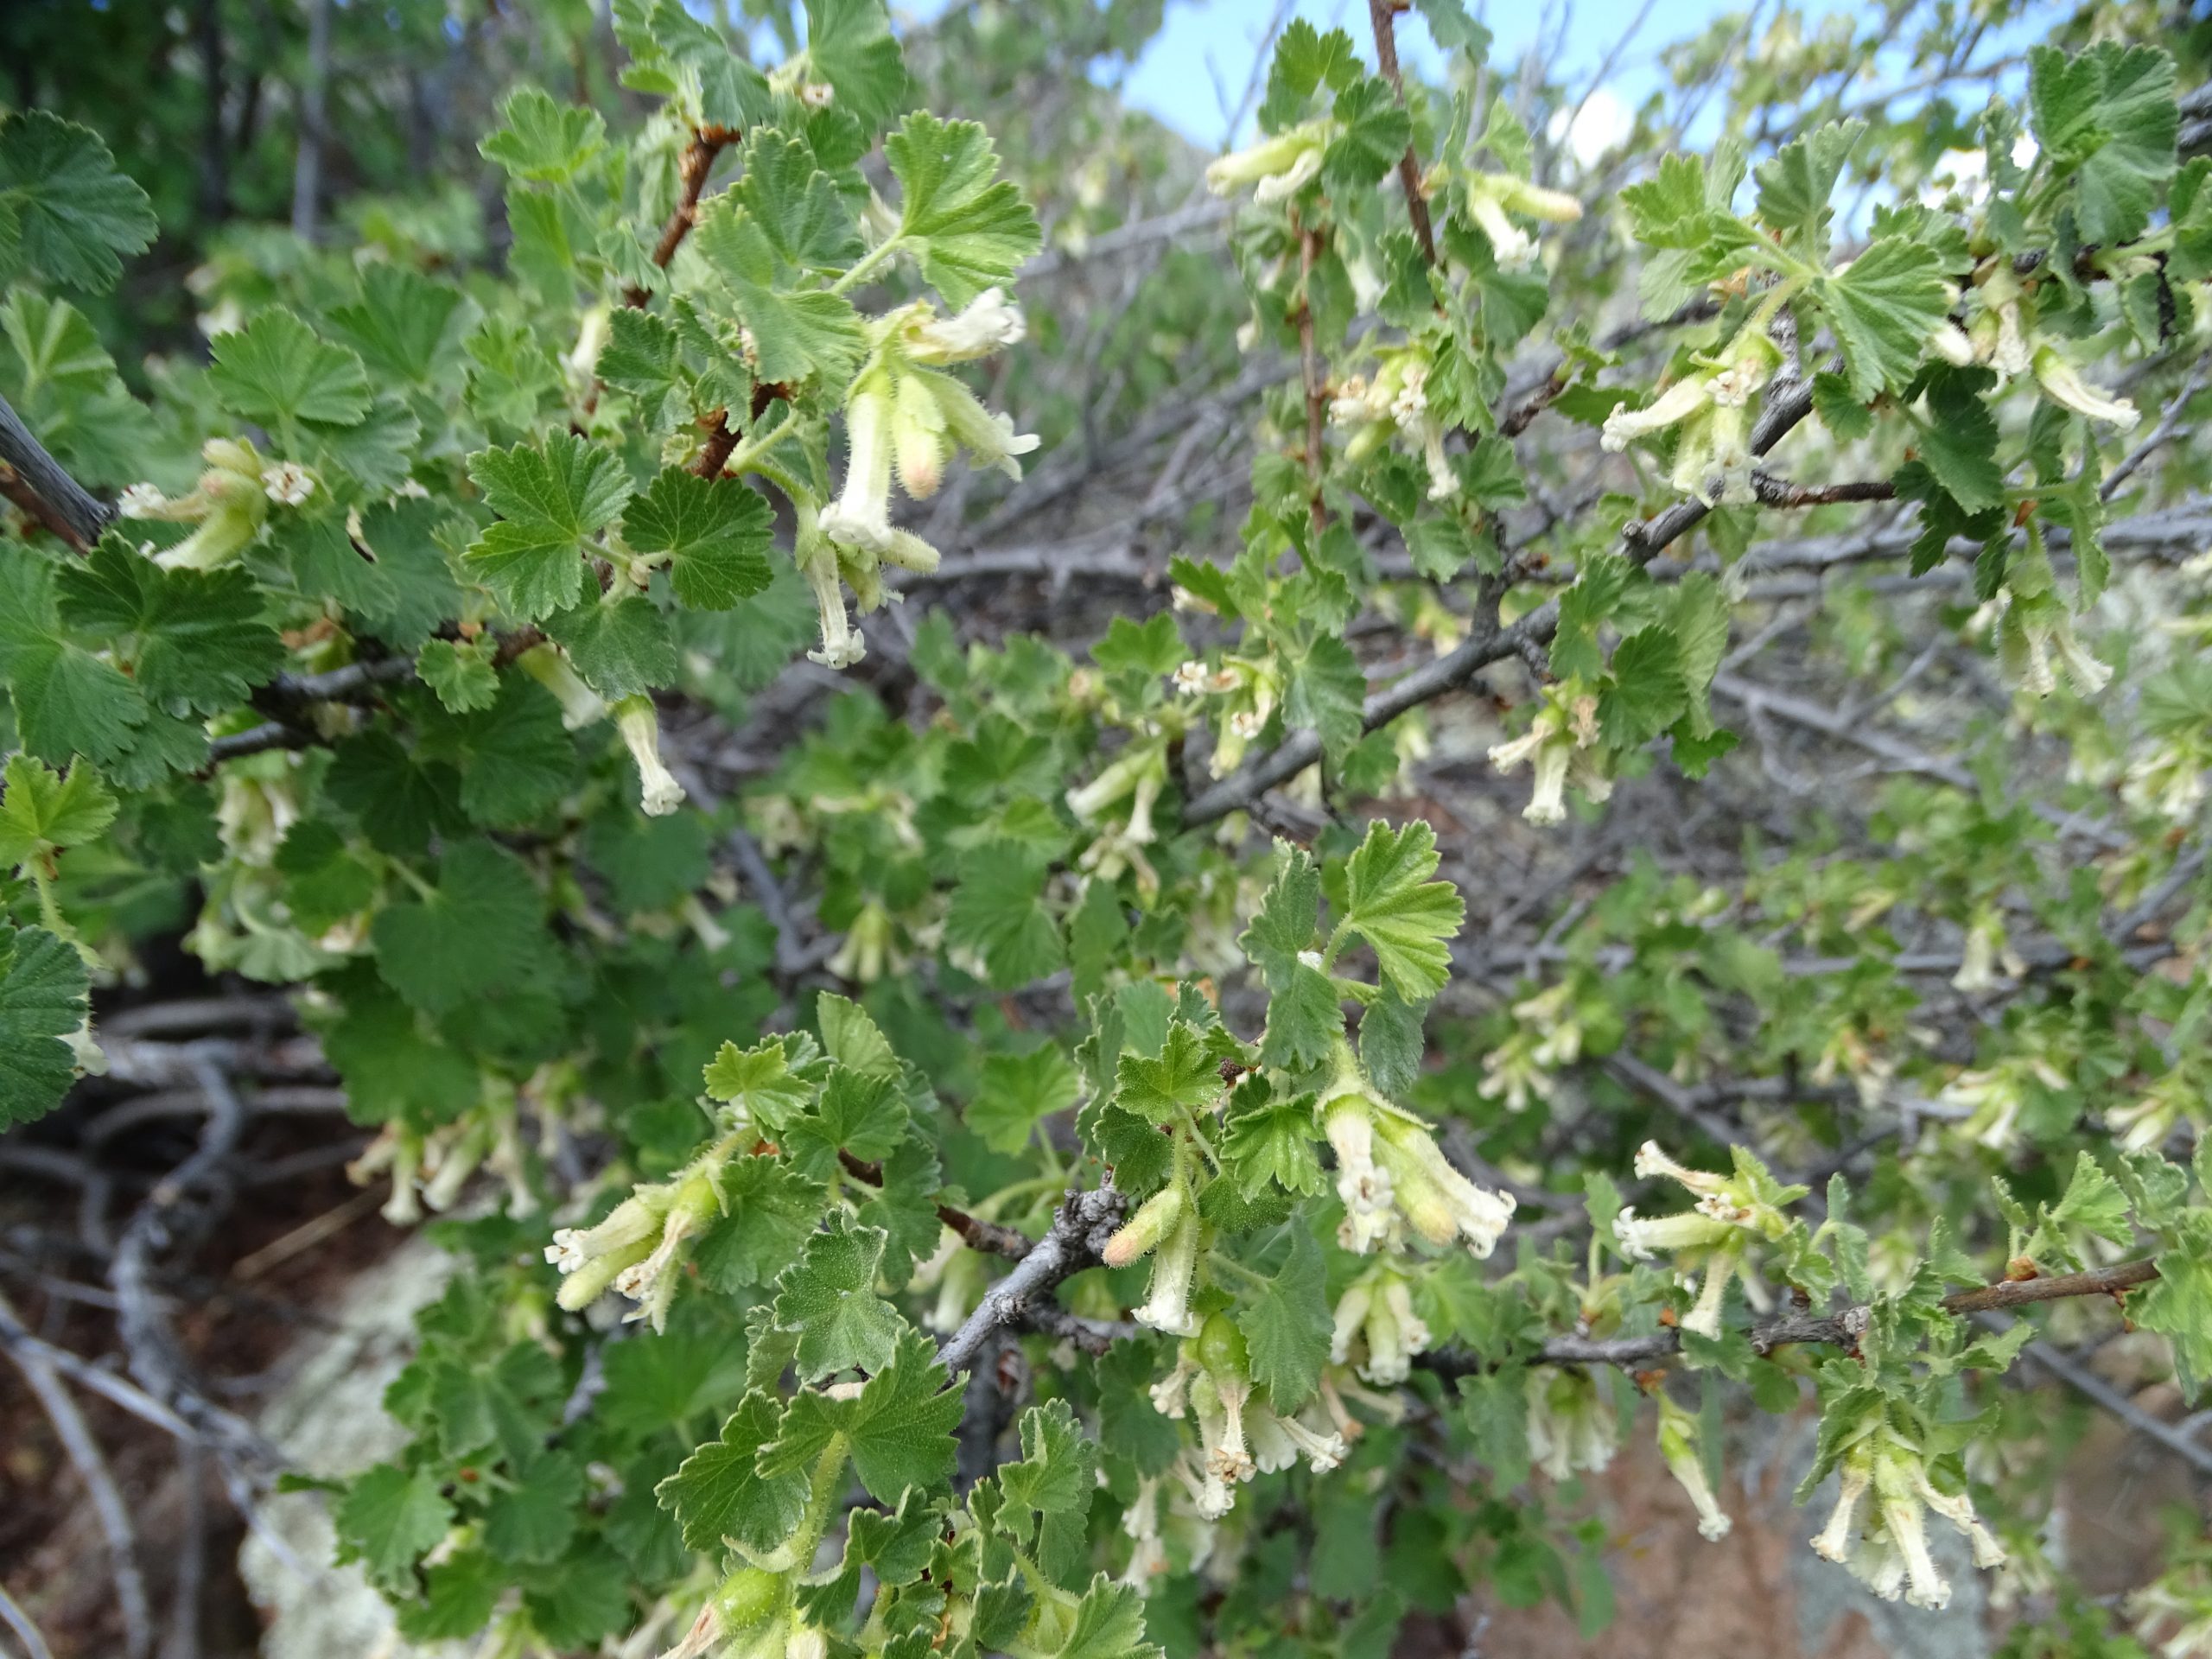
(330, 1419)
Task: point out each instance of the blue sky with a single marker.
(1204, 52)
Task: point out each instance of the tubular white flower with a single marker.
(2063, 385)
(1295, 156)
(1642, 1238)
(1510, 244)
(1351, 1318)
(842, 645)
(659, 794)
(1678, 1446)
(1322, 1451)
(1704, 1316)
(1167, 1306)
(1652, 1161)
(1365, 1188)
(1143, 1231)
(143, 501)
(1439, 1202)
(917, 435)
(549, 665)
(1553, 207)
(1219, 1401)
(1571, 1426)
(988, 438)
(1958, 1509)
(1904, 1521)
(986, 324)
(1678, 403)
(862, 516)
(1280, 186)
(1948, 341)
(590, 1258)
(1853, 1477)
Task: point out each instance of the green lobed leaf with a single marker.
(1405, 917)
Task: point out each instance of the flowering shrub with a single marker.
(1279, 1196)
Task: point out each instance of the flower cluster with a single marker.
(904, 416)
(1275, 168)
(1392, 1175)
(1572, 1426)
(1547, 1035)
(1137, 774)
(1888, 1550)
(1562, 746)
(1730, 1211)
(640, 1249)
(1240, 1433)
(229, 503)
(1249, 690)
(1395, 400)
(1711, 406)
(1376, 1320)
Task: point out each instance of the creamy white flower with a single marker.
(141, 501)
(1275, 167)
(862, 515)
(2063, 385)
(988, 323)
(659, 794)
(1678, 1446)
(1678, 403)
(286, 483)
(1167, 1306)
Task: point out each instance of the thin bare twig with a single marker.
(1079, 1231)
(84, 1454)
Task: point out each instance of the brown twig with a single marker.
(698, 160)
(1774, 492)
(1382, 14)
(1787, 1330)
(988, 1236)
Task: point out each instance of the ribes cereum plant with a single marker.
(375, 641)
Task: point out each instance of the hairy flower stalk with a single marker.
(1678, 1445)
(658, 793)
(549, 665)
